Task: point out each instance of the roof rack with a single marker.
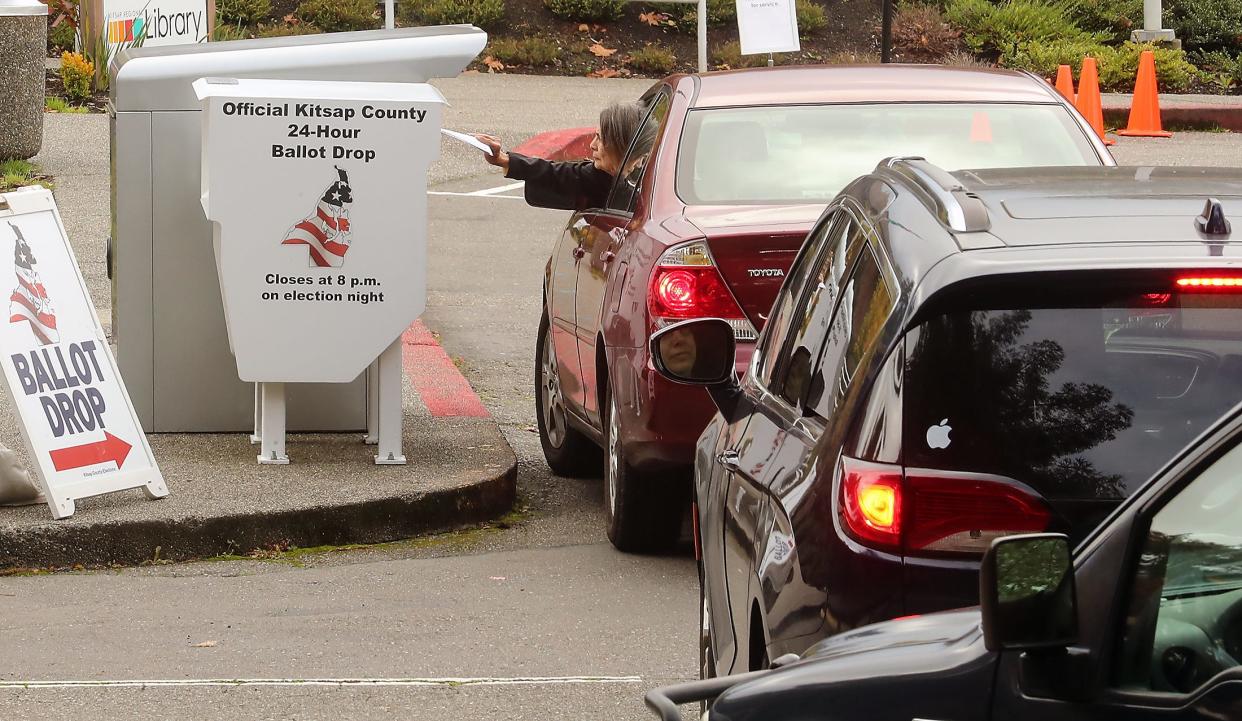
(956, 208)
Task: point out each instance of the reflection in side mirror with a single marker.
(1027, 594)
(697, 352)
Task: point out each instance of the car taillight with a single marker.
(1210, 283)
(925, 511)
(871, 502)
(686, 284)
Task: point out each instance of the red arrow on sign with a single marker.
(110, 448)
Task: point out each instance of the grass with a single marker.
(60, 105)
(15, 174)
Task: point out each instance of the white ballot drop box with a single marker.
(317, 196)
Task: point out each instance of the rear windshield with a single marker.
(808, 153)
(1079, 403)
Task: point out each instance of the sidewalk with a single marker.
(460, 471)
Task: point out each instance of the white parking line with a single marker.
(337, 682)
(499, 189)
(485, 193)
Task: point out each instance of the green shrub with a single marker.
(1173, 71)
(242, 12)
(811, 17)
(730, 55)
(61, 38)
(333, 16)
(76, 74)
(586, 10)
(921, 35)
(225, 32)
(1206, 24)
(1219, 68)
(60, 105)
(285, 30)
(686, 16)
(653, 60)
(1118, 65)
(1113, 18)
(531, 52)
(1000, 30)
(483, 13)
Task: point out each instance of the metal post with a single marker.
(886, 33)
(390, 418)
(373, 404)
(257, 436)
(272, 451)
(389, 15)
(1153, 25)
(702, 36)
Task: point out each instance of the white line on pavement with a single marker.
(472, 195)
(499, 189)
(339, 682)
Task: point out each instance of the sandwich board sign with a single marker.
(76, 418)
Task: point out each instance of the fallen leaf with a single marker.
(604, 73)
(600, 51)
(654, 19)
(291, 19)
(531, 429)
(206, 644)
(496, 578)
(493, 65)
(584, 28)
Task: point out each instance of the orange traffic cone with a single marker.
(1088, 102)
(1145, 108)
(1065, 82)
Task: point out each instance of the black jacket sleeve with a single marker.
(560, 184)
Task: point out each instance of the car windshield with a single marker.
(1081, 403)
(808, 153)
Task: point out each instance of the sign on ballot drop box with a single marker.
(316, 192)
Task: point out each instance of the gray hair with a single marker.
(618, 124)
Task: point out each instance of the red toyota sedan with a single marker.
(721, 186)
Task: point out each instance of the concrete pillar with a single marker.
(23, 46)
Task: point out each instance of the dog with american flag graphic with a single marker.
(325, 232)
(29, 302)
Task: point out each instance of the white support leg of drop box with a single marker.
(272, 397)
(257, 436)
(390, 417)
(373, 389)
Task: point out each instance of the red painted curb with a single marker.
(566, 144)
(436, 379)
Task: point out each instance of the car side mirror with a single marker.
(699, 352)
(1026, 593)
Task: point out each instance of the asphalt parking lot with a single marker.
(536, 618)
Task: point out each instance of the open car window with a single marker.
(628, 184)
(1184, 623)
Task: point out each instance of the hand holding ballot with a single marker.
(495, 155)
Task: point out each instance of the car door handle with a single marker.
(729, 459)
(578, 252)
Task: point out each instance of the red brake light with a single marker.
(686, 284)
(921, 511)
(962, 512)
(1210, 283)
(871, 502)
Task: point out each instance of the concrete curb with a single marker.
(369, 521)
(1224, 111)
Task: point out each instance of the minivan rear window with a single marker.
(1080, 403)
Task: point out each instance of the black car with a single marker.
(954, 358)
(1146, 625)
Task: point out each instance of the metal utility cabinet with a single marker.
(167, 316)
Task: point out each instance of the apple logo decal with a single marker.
(938, 435)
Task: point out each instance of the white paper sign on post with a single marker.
(767, 26)
(76, 417)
